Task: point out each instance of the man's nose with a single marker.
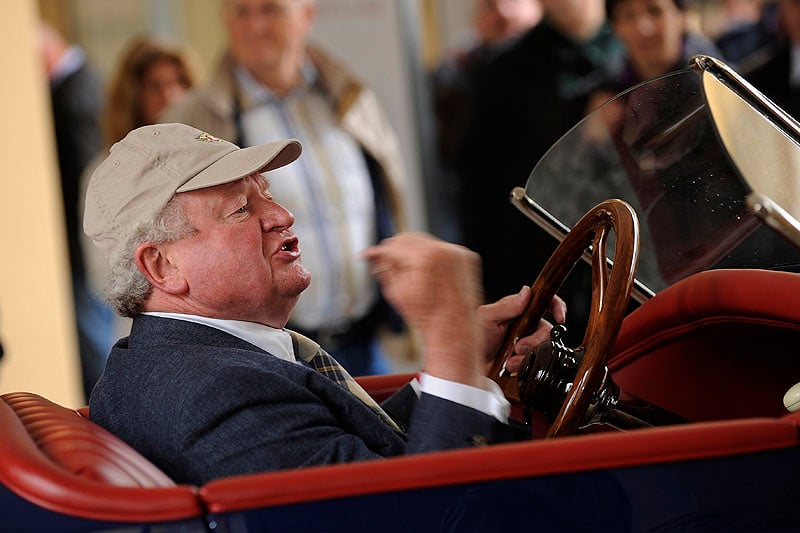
(275, 217)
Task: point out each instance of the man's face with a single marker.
(651, 30)
(262, 34)
(243, 261)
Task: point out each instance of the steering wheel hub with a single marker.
(546, 375)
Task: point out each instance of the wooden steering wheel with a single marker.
(611, 291)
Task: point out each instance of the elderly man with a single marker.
(349, 187)
(210, 383)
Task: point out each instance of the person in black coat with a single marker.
(496, 25)
(524, 101)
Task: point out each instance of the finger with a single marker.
(374, 252)
(558, 309)
(528, 343)
(507, 307)
(513, 363)
(379, 268)
(379, 259)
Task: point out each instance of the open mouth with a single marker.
(290, 245)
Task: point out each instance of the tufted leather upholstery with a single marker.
(57, 459)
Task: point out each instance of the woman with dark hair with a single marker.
(656, 38)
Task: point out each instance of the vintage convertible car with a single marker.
(671, 416)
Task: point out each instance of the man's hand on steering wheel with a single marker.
(496, 316)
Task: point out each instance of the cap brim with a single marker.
(244, 162)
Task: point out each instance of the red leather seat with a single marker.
(59, 460)
(382, 386)
(720, 344)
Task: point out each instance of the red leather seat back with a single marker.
(382, 386)
(55, 458)
(81, 447)
(718, 345)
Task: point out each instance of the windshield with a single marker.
(656, 147)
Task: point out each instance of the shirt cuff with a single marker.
(490, 401)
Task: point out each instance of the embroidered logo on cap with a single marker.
(208, 138)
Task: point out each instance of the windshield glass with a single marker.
(656, 147)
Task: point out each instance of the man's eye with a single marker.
(242, 210)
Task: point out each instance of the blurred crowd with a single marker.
(529, 71)
(521, 96)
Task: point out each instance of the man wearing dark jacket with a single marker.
(210, 383)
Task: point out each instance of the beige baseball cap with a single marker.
(151, 164)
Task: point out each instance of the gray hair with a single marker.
(126, 288)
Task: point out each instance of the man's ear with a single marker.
(159, 270)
